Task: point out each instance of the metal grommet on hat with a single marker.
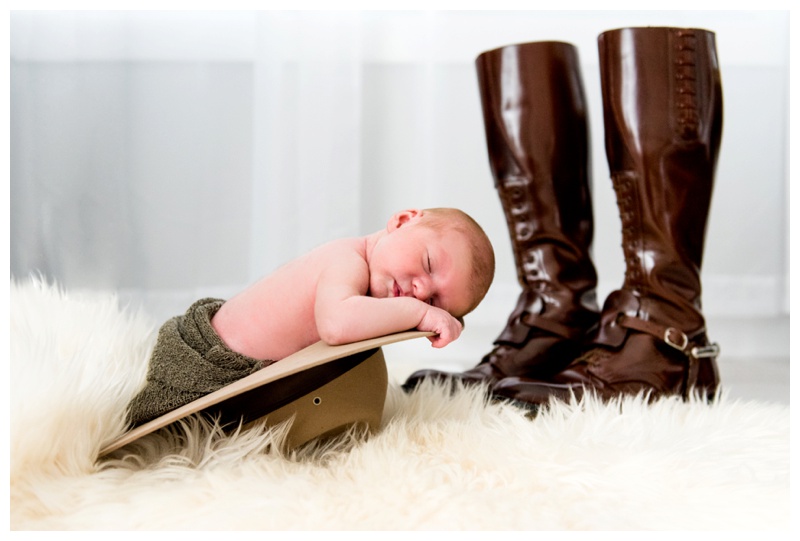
(323, 401)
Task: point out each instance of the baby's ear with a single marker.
(403, 217)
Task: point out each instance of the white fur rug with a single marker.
(440, 462)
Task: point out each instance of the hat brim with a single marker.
(315, 355)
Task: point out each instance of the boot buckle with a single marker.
(680, 340)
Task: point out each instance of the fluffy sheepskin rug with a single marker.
(439, 462)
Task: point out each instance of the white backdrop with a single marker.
(172, 155)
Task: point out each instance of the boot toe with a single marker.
(534, 392)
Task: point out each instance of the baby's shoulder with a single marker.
(342, 246)
(349, 249)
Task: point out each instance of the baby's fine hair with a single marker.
(443, 218)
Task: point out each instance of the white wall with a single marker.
(169, 155)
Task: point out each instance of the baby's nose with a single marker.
(422, 289)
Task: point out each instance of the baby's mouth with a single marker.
(397, 291)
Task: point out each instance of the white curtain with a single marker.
(172, 155)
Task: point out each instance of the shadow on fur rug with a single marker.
(440, 461)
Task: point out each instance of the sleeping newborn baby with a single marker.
(426, 270)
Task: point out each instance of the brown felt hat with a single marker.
(325, 389)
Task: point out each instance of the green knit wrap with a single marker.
(188, 361)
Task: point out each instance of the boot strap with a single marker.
(672, 336)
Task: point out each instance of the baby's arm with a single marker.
(344, 313)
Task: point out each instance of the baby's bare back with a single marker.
(274, 317)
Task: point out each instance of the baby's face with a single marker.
(417, 261)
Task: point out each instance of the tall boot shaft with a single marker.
(534, 113)
(662, 103)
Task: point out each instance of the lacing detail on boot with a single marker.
(513, 194)
(685, 99)
(626, 194)
(514, 197)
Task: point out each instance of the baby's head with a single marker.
(440, 256)
(481, 259)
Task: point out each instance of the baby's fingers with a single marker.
(441, 340)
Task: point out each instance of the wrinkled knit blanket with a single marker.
(188, 361)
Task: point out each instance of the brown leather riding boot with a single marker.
(662, 103)
(536, 130)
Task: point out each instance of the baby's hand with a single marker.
(446, 327)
